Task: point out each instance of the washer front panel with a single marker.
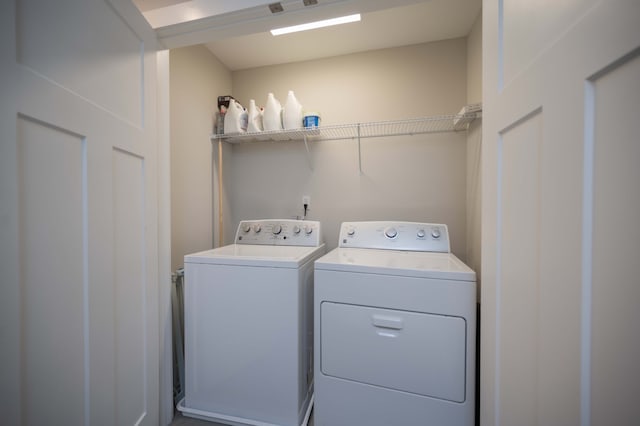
(401, 350)
(248, 331)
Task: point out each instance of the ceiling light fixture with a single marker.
(317, 24)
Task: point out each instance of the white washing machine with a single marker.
(249, 326)
(395, 329)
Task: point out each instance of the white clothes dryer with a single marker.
(395, 329)
(249, 326)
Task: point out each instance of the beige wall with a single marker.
(474, 140)
(387, 84)
(196, 80)
(474, 62)
(413, 178)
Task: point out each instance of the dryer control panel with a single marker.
(279, 232)
(390, 235)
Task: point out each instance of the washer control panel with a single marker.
(409, 236)
(279, 232)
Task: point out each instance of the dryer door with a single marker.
(407, 351)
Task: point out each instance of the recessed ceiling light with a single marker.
(317, 24)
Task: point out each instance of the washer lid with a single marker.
(395, 262)
(257, 255)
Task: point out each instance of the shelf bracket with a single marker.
(359, 151)
(306, 145)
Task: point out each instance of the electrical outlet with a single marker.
(306, 199)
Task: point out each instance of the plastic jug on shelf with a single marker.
(235, 120)
(255, 117)
(292, 113)
(272, 117)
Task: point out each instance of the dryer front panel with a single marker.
(415, 352)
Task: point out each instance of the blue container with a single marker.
(311, 120)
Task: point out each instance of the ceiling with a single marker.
(237, 31)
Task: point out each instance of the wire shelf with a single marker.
(414, 126)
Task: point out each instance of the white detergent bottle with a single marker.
(272, 117)
(235, 120)
(255, 117)
(292, 113)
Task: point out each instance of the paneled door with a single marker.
(78, 215)
(561, 210)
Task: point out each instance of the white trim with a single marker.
(500, 44)
(85, 285)
(498, 294)
(164, 238)
(587, 254)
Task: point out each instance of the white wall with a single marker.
(196, 80)
(414, 178)
(474, 140)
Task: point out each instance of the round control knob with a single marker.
(351, 231)
(421, 233)
(246, 227)
(296, 229)
(390, 232)
(435, 233)
(257, 228)
(308, 230)
(276, 229)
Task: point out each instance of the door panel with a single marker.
(52, 278)
(560, 209)
(78, 202)
(530, 29)
(519, 186)
(130, 301)
(616, 244)
(108, 51)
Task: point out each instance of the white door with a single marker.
(561, 211)
(78, 215)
